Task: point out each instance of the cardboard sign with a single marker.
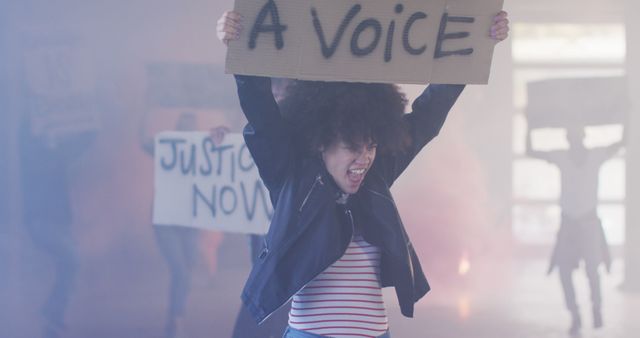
(405, 41)
(559, 103)
(60, 87)
(198, 184)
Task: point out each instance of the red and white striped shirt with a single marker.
(345, 300)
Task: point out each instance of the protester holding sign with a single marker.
(178, 244)
(45, 165)
(328, 153)
(581, 236)
(404, 41)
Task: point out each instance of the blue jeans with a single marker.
(293, 333)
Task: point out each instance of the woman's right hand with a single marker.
(229, 26)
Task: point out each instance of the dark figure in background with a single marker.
(178, 245)
(581, 237)
(45, 159)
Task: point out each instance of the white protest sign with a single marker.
(60, 87)
(199, 184)
(404, 41)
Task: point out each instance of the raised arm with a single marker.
(529, 151)
(557, 157)
(614, 148)
(429, 112)
(541, 155)
(147, 142)
(608, 152)
(266, 134)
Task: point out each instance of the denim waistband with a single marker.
(294, 333)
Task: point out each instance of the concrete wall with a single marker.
(632, 247)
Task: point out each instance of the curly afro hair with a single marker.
(321, 113)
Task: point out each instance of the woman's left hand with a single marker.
(218, 133)
(500, 28)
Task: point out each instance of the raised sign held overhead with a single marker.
(404, 41)
(560, 103)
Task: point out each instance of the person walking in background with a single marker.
(178, 245)
(46, 156)
(580, 237)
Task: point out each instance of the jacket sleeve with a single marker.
(266, 134)
(429, 111)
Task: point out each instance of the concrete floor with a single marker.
(532, 306)
(522, 303)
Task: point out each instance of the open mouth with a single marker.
(354, 179)
(356, 176)
(359, 171)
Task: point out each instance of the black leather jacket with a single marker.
(309, 231)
